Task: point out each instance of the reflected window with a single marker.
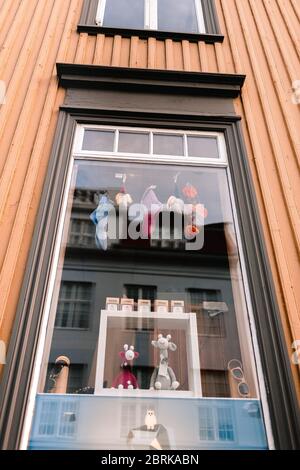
(74, 305)
(177, 16)
(136, 292)
(81, 233)
(216, 424)
(124, 14)
(225, 424)
(215, 383)
(207, 428)
(209, 323)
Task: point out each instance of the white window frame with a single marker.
(151, 156)
(151, 15)
(79, 154)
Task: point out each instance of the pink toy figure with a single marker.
(126, 379)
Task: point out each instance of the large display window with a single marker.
(150, 341)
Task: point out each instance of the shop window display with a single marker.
(168, 328)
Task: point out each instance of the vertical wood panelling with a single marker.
(177, 55)
(116, 53)
(151, 63)
(186, 55)
(7, 13)
(142, 54)
(194, 57)
(26, 161)
(287, 10)
(160, 62)
(262, 40)
(99, 47)
(281, 154)
(134, 42)
(169, 54)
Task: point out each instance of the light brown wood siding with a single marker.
(262, 40)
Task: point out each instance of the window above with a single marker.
(158, 18)
(186, 16)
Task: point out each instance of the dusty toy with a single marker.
(126, 379)
(163, 377)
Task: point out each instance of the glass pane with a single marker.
(167, 354)
(98, 141)
(167, 144)
(133, 142)
(177, 16)
(124, 14)
(203, 147)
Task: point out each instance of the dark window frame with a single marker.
(87, 24)
(15, 385)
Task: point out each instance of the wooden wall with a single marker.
(262, 40)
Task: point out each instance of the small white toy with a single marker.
(150, 420)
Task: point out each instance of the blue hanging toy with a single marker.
(100, 218)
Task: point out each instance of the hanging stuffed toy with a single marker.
(190, 192)
(152, 207)
(175, 203)
(123, 199)
(126, 379)
(163, 377)
(198, 212)
(100, 218)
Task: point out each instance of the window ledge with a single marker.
(150, 80)
(147, 33)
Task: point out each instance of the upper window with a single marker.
(152, 143)
(164, 15)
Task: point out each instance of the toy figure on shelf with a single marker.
(150, 420)
(163, 377)
(126, 379)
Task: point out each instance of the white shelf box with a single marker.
(119, 328)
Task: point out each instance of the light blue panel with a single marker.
(95, 422)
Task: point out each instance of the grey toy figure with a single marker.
(163, 377)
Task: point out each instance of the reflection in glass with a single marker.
(211, 354)
(103, 422)
(154, 269)
(177, 16)
(203, 147)
(98, 141)
(124, 14)
(133, 142)
(74, 305)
